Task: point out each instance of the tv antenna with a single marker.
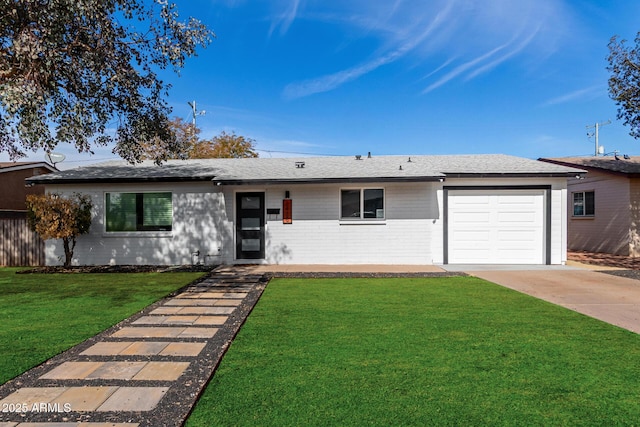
(597, 126)
(54, 158)
(195, 113)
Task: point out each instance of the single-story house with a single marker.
(457, 209)
(604, 205)
(13, 193)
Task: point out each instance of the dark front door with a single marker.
(250, 225)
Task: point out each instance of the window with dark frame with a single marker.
(363, 203)
(584, 203)
(138, 212)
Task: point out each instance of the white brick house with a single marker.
(325, 210)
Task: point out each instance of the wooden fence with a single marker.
(19, 246)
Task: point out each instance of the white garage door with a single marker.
(496, 227)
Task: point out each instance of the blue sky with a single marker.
(325, 77)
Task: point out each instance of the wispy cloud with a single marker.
(517, 49)
(586, 93)
(332, 81)
(284, 20)
(478, 65)
(442, 66)
(460, 69)
(480, 37)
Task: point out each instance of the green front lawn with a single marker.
(42, 315)
(420, 352)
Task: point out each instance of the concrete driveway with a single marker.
(613, 299)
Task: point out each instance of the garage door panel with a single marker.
(516, 200)
(517, 236)
(471, 218)
(473, 237)
(518, 217)
(517, 257)
(496, 226)
(470, 199)
(476, 256)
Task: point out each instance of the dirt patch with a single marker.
(630, 266)
(629, 274)
(608, 260)
(119, 269)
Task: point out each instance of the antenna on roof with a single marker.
(54, 158)
(597, 126)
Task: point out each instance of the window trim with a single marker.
(361, 219)
(150, 231)
(584, 204)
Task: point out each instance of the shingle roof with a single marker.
(618, 165)
(312, 169)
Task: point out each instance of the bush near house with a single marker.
(54, 216)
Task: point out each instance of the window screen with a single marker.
(139, 212)
(121, 212)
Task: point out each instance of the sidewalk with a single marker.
(146, 371)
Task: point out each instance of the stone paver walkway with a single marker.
(146, 371)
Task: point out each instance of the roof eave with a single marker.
(517, 175)
(119, 180)
(287, 181)
(592, 168)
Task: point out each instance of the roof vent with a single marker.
(299, 165)
(409, 161)
(369, 155)
(358, 157)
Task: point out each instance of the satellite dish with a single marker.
(54, 158)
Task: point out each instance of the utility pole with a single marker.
(195, 112)
(597, 126)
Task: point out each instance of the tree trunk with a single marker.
(68, 252)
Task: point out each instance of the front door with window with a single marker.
(250, 225)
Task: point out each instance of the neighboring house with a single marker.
(493, 209)
(13, 191)
(19, 246)
(604, 205)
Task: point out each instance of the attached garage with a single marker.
(503, 225)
